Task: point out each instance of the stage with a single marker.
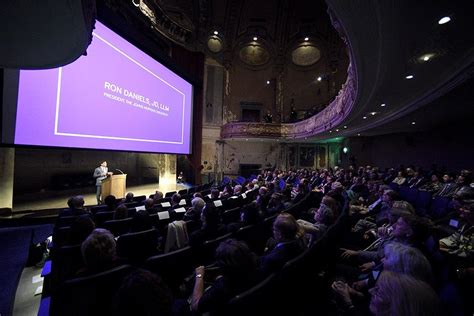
(38, 201)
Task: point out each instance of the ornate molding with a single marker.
(331, 116)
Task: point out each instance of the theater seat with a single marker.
(91, 295)
(119, 226)
(173, 267)
(138, 246)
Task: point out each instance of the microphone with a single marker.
(120, 171)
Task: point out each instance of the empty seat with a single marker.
(173, 267)
(119, 226)
(91, 295)
(231, 216)
(101, 217)
(204, 254)
(254, 236)
(139, 198)
(138, 246)
(259, 300)
(169, 194)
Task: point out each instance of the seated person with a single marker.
(143, 293)
(275, 204)
(194, 212)
(287, 245)
(98, 252)
(249, 215)
(76, 207)
(211, 226)
(80, 229)
(400, 294)
(323, 218)
(121, 212)
(128, 198)
(110, 201)
(238, 266)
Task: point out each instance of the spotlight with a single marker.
(255, 38)
(409, 77)
(383, 104)
(320, 78)
(444, 20)
(413, 123)
(306, 38)
(268, 81)
(365, 117)
(216, 33)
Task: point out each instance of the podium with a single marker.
(114, 185)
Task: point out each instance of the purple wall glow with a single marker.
(116, 97)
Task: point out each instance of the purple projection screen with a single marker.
(116, 97)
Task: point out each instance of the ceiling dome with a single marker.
(214, 44)
(254, 55)
(305, 55)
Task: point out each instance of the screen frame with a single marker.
(7, 92)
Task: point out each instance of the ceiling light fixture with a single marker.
(409, 77)
(444, 20)
(383, 104)
(413, 123)
(337, 129)
(345, 126)
(306, 38)
(216, 32)
(268, 81)
(358, 134)
(255, 38)
(373, 113)
(319, 78)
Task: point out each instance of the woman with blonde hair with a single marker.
(402, 295)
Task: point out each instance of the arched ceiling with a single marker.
(389, 40)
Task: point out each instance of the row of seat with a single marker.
(424, 202)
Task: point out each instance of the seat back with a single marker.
(254, 236)
(65, 263)
(231, 216)
(422, 202)
(101, 217)
(204, 253)
(259, 300)
(173, 266)
(119, 226)
(138, 246)
(91, 295)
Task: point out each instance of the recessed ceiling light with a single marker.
(358, 134)
(345, 126)
(319, 78)
(337, 129)
(246, 139)
(268, 81)
(426, 58)
(413, 123)
(216, 32)
(373, 113)
(365, 117)
(383, 104)
(444, 20)
(306, 138)
(306, 38)
(409, 77)
(330, 131)
(255, 38)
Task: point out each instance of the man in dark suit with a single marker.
(287, 247)
(100, 173)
